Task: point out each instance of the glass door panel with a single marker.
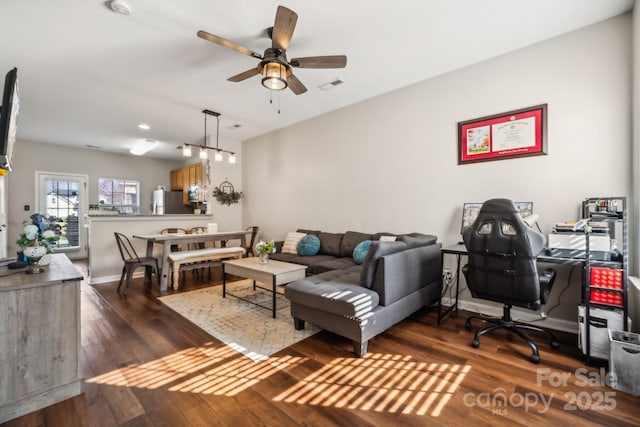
(62, 197)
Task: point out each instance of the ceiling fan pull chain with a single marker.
(278, 102)
(271, 97)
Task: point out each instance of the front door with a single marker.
(64, 196)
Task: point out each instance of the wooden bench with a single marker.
(200, 258)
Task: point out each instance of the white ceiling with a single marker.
(89, 76)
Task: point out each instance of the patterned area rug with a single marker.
(246, 328)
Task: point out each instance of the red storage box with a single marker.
(603, 277)
(599, 296)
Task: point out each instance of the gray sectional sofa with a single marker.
(359, 302)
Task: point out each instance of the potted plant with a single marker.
(263, 249)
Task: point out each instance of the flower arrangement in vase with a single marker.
(263, 249)
(38, 239)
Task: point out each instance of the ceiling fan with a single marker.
(274, 66)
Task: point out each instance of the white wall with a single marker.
(228, 217)
(390, 163)
(31, 156)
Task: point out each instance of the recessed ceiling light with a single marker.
(95, 147)
(121, 7)
(236, 126)
(144, 126)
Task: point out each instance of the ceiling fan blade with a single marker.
(226, 43)
(333, 61)
(283, 28)
(295, 85)
(244, 75)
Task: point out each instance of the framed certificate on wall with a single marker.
(507, 135)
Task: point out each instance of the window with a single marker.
(122, 195)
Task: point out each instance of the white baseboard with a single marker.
(106, 279)
(524, 316)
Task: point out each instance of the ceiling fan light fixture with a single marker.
(275, 76)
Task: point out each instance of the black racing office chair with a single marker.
(132, 261)
(502, 268)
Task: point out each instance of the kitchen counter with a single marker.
(105, 262)
(159, 217)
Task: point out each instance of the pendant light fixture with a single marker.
(204, 153)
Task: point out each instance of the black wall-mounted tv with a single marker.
(9, 119)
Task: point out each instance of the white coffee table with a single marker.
(276, 272)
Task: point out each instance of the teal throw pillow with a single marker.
(309, 245)
(361, 250)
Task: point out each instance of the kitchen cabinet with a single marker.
(176, 180)
(184, 178)
(185, 185)
(195, 175)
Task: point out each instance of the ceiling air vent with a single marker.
(331, 85)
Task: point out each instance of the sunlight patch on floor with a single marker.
(380, 383)
(207, 370)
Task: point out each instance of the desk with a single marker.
(459, 250)
(176, 239)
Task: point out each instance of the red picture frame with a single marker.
(516, 133)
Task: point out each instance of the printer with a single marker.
(568, 240)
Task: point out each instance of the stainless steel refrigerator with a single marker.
(173, 203)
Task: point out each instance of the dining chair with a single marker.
(200, 245)
(252, 240)
(175, 230)
(132, 261)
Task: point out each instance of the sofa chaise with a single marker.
(359, 301)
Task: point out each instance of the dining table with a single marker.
(170, 239)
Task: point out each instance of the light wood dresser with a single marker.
(39, 337)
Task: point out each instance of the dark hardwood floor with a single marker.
(145, 365)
